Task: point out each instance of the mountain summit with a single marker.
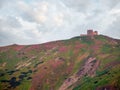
(86, 62)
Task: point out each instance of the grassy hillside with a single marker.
(79, 63)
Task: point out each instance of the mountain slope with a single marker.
(80, 63)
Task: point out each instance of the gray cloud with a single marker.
(87, 5)
(9, 22)
(83, 6)
(109, 3)
(2, 2)
(38, 21)
(114, 29)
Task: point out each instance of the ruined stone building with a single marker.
(90, 32)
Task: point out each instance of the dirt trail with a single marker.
(88, 68)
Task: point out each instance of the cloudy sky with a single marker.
(39, 21)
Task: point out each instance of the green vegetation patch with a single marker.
(106, 48)
(105, 77)
(87, 40)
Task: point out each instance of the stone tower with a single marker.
(90, 32)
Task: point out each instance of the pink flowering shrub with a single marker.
(63, 49)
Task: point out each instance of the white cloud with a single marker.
(59, 19)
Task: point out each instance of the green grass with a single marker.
(101, 38)
(106, 48)
(25, 85)
(87, 40)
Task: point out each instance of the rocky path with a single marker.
(88, 68)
